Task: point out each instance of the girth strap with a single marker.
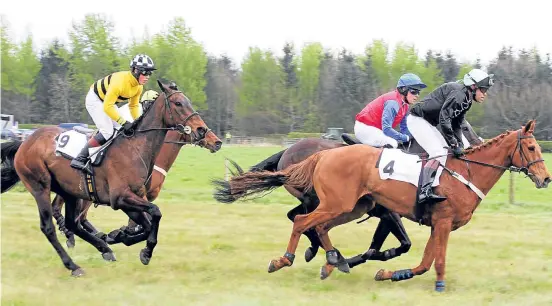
(91, 188)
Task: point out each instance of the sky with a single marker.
(470, 29)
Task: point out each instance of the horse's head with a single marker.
(179, 113)
(527, 156)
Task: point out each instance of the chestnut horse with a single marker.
(164, 161)
(120, 180)
(390, 222)
(343, 175)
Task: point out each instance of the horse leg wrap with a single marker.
(402, 275)
(332, 257)
(440, 286)
(290, 257)
(391, 253)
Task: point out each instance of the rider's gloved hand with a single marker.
(127, 127)
(457, 151)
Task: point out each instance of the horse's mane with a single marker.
(488, 143)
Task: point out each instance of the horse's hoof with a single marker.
(144, 258)
(272, 267)
(379, 275)
(70, 242)
(325, 271)
(310, 253)
(343, 267)
(109, 256)
(77, 273)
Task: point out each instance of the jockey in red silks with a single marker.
(375, 123)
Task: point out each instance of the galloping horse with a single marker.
(390, 222)
(120, 180)
(164, 161)
(343, 175)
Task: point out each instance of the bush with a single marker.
(546, 146)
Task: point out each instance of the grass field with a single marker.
(215, 254)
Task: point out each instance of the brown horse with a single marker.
(164, 161)
(390, 222)
(341, 176)
(120, 180)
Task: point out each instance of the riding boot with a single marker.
(79, 162)
(426, 180)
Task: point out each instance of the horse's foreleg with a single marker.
(131, 202)
(389, 222)
(125, 235)
(82, 216)
(423, 267)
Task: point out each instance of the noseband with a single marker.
(196, 138)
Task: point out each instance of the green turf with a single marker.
(217, 254)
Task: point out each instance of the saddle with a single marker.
(352, 140)
(70, 143)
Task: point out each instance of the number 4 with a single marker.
(389, 168)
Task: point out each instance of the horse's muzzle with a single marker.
(546, 182)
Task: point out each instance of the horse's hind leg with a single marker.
(76, 226)
(300, 224)
(39, 186)
(333, 256)
(57, 205)
(308, 203)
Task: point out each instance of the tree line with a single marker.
(308, 89)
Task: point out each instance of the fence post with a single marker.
(511, 189)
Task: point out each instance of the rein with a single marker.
(183, 129)
(511, 168)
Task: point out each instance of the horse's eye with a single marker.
(178, 103)
(532, 148)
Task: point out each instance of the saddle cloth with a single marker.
(70, 143)
(394, 164)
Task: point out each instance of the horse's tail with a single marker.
(254, 182)
(269, 164)
(7, 153)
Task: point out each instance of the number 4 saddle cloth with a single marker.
(394, 164)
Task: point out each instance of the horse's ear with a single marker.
(529, 127)
(161, 86)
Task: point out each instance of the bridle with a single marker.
(196, 138)
(511, 167)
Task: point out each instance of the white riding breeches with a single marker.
(429, 138)
(373, 136)
(95, 108)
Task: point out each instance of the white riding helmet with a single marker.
(479, 78)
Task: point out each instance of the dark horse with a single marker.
(343, 175)
(390, 222)
(120, 180)
(129, 234)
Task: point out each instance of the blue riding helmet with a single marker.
(410, 80)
